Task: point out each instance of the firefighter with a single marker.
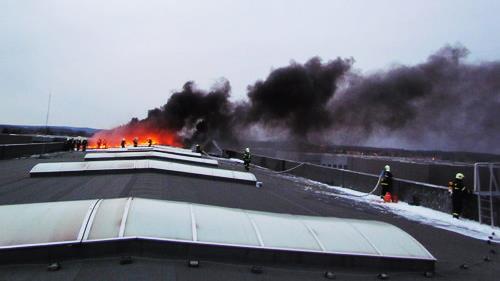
(247, 157)
(197, 148)
(99, 142)
(123, 143)
(72, 144)
(136, 141)
(84, 145)
(78, 144)
(386, 181)
(150, 142)
(69, 144)
(457, 191)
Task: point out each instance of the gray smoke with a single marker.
(444, 103)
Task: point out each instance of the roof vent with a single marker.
(383, 276)
(330, 275)
(193, 263)
(55, 266)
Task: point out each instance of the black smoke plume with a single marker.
(443, 103)
(195, 114)
(296, 97)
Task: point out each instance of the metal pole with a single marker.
(476, 189)
(491, 194)
(46, 123)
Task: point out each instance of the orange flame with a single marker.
(113, 138)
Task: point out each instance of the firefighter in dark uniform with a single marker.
(78, 144)
(247, 157)
(150, 142)
(136, 141)
(386, 181)
(458, 191)
(197, 148)
(123, 142)
(69, 144)
(84, 144)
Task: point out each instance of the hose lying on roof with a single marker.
(280, 172)
(351, 195)
(299, 165)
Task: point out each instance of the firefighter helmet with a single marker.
(460, 176)
(247, 149)
(387, 168)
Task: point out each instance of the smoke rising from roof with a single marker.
(443, 103)
(296, 97)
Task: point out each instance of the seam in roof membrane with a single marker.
(193, 224)
(366, 238)
(255, 228)
(314, 236)
(85, 222)
(124, 217)
(90, 222)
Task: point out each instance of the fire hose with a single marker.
(301, 164)
(351, 195)
(280, 172)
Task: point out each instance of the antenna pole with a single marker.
(46, 125)
(48, 111)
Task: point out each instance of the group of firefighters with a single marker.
(101, 143)
(456, 189)
(135, 141)
(456, 186)
(76, 144)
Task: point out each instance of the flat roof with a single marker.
(279, 194)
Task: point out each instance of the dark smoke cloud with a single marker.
(443, 103)
(196, 114)
(296, 96)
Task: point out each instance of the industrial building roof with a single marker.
(281, 208)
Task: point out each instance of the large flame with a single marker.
(144, 133)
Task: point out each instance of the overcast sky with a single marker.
(107, 61)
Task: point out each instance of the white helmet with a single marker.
(460, 176)
(247, 149)
(387, 168)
